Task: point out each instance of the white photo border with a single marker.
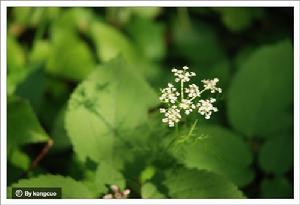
(5, 4)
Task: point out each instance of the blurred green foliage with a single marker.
(89, 79)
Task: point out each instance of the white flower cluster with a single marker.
(169, 94)
(211, 85)
(176, 101)
(172, 115)
(117, 193)
(182, 75)
(205, 107)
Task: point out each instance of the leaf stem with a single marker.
(40, 156)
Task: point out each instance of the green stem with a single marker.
(181, 90)
(202, 91)
(174, 138)
(192, 128)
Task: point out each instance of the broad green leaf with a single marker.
(107, 175)
(148, 36)
(71, 189)
(149, 191)
(276, 188)
(276, 155)
(23, 126)
(262, 90)
(199, 184)
(216, 149)
(89, 181)
(113, 100)
(70, 58)
(239, 19)
(110, 42)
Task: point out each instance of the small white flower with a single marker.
(108, 196)
(182, 75)
(211, 85)
(126, 192)
(192, 91)
(172, 116)
(162, 110)
(117, 193)
(205, 107)
(187, 106)
(169, 94)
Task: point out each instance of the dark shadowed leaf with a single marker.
(276, 155)
(253, 98)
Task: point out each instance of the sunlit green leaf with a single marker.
(70, 58)
(216, 149)
(110, 42)
(149, 191)
(199, 184)
(71, 189)
(99, 111)
(107, 175)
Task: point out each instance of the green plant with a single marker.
(84, 112)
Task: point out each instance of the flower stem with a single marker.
(181, 90)
(202, 91)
